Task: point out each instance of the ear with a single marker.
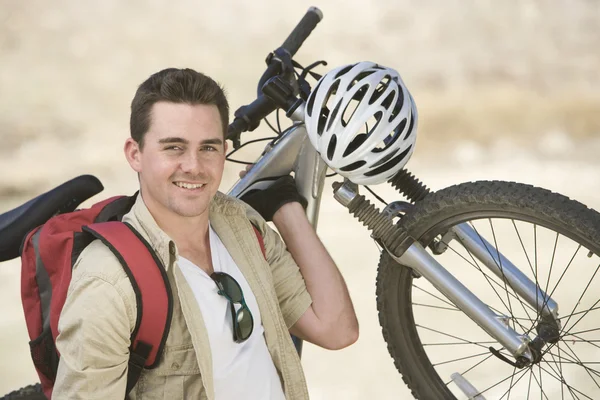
(225, 146)
(133, 154)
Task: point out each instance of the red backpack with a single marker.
(48, 255)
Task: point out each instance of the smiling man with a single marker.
(233, 308)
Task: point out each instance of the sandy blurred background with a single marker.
(506, 90)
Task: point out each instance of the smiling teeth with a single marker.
(188, 185)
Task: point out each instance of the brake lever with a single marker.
(283, 59)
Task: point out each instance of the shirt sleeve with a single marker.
(289, 284)
(94, 339)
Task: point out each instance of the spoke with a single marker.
(490, 279)
(565, 271)
(512, 384)
(535, 273)
(569, 360)
(537, 284)
(452, 336)
(591, 342)
(559, 365)
(564, 383)
(579, 312)
(580, 332)
(479, 363)
(529, 386)
(455, 343)
(539, 384)
(528, 260)
(460, 359)
(540, 368)
(508, 307)
(434, 296)
(477, 267)
(558, 376)
(499, 264)
(522, 372)
(581, 363)
(522, 245)
(438, 307)
(547, 298)
(579, 300)
(456, 309)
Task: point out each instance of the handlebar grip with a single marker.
(304, 28)
(236, 127)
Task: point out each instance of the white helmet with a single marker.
(363, 121)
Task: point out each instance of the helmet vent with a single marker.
(388, 165)
(355, 144)
(311, 100)
(353, 166)
(386, 158)
(331, 147)
(333, 115)
(411, 126)
(343, 71)
(380, 89)
(349, 112)
(398, 105)
(391, 139)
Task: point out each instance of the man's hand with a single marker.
(268, 201)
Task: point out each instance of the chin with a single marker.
(190, 210)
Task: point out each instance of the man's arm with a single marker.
(330, 321)
(93, 341)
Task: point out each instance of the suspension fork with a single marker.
(505, 270)
(415, 191)
(406, 251)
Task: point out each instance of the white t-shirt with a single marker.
(241, 370)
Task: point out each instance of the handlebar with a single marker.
(303, 30)
(248, 117)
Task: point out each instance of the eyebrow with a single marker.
(185, 141)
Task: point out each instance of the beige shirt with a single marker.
(100, 311)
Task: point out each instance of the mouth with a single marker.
(190, 187)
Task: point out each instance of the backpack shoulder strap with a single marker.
(152, 290)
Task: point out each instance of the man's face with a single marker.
(182, 160)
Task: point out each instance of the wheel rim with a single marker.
(565, 269)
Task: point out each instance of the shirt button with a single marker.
(172, 248)
(175, 366)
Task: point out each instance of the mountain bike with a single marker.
(484, 289)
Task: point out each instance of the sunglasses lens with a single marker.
(244, 324)
(229, 286)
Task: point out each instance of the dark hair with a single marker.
(176, 86)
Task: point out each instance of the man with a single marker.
(219, 347)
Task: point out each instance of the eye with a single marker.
(208, 148)
(173, 148)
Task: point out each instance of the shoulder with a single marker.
(230, 206)
(99, 282)
(98, 261)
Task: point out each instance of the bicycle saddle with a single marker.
(17, 223)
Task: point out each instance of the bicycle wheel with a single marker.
(555, 241)
(31, 392)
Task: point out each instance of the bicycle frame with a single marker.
(294, 152)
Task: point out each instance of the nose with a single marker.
(191, 163)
